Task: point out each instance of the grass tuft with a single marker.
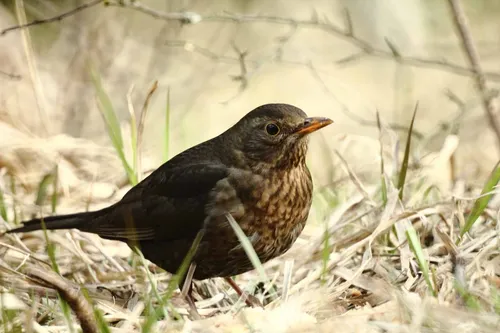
(49, 179)
(416, 248)
(3, 207)
(247, 246)
(154, 286)
(13, 190)
(404, 165)
(51, 252)
(481, 203)
(112, 125)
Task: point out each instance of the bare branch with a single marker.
(182, 17)
(452, 125)
(11, 76)
(343, 33)
(56, 18)
(207, 53)
(354, 117)
(70, 293)
(243, 76)
(282, 41)
(460, 21)
(348, 23)
(394, 50)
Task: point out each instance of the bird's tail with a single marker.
(79, 221)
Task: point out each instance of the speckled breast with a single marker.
(272, 211)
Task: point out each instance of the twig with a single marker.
(243, 76)
(71, 294)
(11, 75)
(191, 47)
(461, 25)
(56, 18)
(452, 125)
(353, 116)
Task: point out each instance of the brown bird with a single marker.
(256, 171)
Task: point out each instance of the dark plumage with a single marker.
(255, 170)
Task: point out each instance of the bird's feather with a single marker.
(176, 199)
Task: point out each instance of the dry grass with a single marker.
(363, 277)
(366, 262)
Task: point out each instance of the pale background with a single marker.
(55, 96)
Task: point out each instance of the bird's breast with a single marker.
(284, 205)
(272, 208)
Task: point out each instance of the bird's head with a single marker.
(274, 136)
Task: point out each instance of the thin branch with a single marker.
(440, 64)
(353, 116)
(70, 293)
(207, 53)
(56, 18)
(452, 125)
(11, 76)
(243, 76)
(182, 17)
(282, 41)
(461, 24)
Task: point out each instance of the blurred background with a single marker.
(220, 59)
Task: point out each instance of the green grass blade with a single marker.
(382, 170)
(151, 317)
(469, 299)
(404, 166)
(108, 111)
(325, 255)
(247, 246)
(181, 272)
(154, 286)
(112, 125)
(495, 296)
(55, 195)
(416, 247)
(481, 203)
(41, 194)
(172, 285)
(14, 200)
(3, 207)
(99, 318)
(51, 252)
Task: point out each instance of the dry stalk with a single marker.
(462, 27)
(78, 303)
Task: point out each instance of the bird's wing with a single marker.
(167, 205)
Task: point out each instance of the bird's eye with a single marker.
(272, 129)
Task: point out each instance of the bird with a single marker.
(255, 171)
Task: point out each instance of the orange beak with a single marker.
(313, 124)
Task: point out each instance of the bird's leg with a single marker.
(187, 289)
(250, 300)
(192, 305)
